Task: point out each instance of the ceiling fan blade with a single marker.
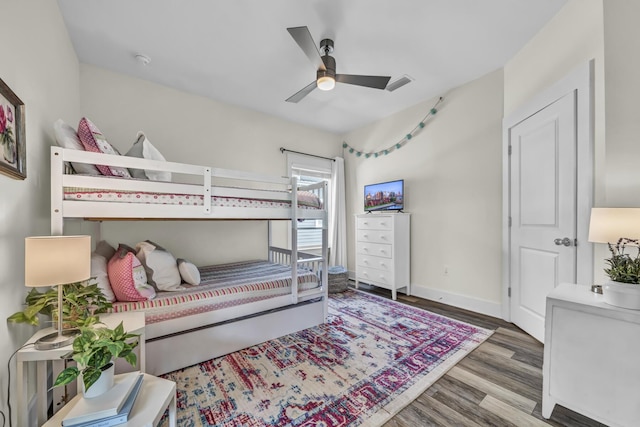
(302, 36)
(376, 82)
(302, 93)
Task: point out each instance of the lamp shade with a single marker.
(607, 225)
(56, 260)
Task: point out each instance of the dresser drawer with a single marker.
(375, 236)
(379, 263)
(376, 277)
(374, 249)
(373, 222)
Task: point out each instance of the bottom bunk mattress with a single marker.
(222, 286)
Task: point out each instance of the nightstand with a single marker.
(134, 322)
(590, 357)
(156, 395)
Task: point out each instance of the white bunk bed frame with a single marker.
(178, 343)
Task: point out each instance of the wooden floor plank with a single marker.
(442, 414)
(524, 384)
(492, 389)
(495, 350)
(465, 404)
(511, 414)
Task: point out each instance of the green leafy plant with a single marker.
(622, 267)
(80, 305)
(94, 350)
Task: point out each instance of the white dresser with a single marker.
(383, 251)
(591, 357)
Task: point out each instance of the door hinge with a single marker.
(509, 149)
(509, 221)
(509, 292)
(575, 242)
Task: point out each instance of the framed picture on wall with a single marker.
(13, 153)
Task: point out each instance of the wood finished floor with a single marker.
(498, 384)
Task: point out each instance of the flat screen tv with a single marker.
(384, 196)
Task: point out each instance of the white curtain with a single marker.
(338, 215)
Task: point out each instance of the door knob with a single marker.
(566, 241)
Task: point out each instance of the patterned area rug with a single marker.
(370, 360)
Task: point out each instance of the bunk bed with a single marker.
(186, 333)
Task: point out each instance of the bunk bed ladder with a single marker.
(294, 240)
(325, 254)
(57, 169)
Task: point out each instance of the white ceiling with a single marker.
(239, 52)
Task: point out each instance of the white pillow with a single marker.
(143, 149)
(99, 271)
(189, 272)
(66, 137)
(160, 265)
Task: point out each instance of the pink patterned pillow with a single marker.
(128, 278)
(93, 140)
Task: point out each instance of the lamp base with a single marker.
(56, 340)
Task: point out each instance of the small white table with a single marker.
(590, 357)
(133, 322)
(156, 395)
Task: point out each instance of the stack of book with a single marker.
(109, 409)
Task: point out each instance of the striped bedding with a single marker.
(222, 286)
(306, 199)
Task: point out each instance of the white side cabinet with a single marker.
(383, 251)
(591, 357)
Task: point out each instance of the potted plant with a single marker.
(624, 272)
(81, 304)
(94, 351)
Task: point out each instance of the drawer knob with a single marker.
(365, 236)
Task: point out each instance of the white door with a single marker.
(542, 209)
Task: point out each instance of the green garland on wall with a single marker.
(405, 139)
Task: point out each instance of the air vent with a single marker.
(396, 84)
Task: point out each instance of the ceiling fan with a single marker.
(326, 76)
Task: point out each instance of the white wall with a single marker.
(40, 65)
(622, 55)
(573, 37)
(192, 129)
(452, 173)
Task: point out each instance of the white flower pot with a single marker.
(104, 384)
(625, 295)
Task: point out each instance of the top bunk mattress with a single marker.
(222, 286)
(306, 199)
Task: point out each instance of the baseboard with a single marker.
(477, 305)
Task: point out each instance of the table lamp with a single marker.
(608, 225)
(56, 261)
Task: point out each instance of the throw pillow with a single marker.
(188, 272)
(105, 249)
(143, 149)
(93, 140)
(128, 278)
(160, 265)
(66, 137)
(99, 271)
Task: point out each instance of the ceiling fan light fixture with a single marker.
(326, 82)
